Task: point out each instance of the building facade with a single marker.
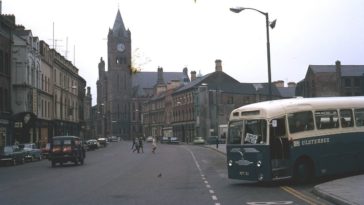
(7, 24)
(332, 80)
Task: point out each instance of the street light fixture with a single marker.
(268, 24)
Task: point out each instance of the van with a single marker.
(66, 149)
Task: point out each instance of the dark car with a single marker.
(66, 149)
(12, 155)
(92, 144)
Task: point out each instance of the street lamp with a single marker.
(268, 24)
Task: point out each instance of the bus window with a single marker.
(359, 117)
(300, 121)
(255, 132)
(235, 132)
(327, 119)
(346, 117)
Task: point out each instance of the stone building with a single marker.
(204, 105)
(7, 24)
(25, 78)
(332, 80)
(122, 89)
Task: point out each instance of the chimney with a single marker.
(218, 66)
(193, 75)
(88, 90)
(291, 84)
(279, 83)
(160, 79)
(338, 67)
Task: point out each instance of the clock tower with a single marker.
(118, 81)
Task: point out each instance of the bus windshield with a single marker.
(248, 132)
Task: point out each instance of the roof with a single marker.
(346, 70)
(276, 108)
(142, 81)
(119, 25)
(287, 92)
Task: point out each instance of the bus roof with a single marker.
(276, 108)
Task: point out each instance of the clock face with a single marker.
(120, 47)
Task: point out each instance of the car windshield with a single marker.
(8, 149)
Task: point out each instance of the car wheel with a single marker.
(76, 161)
(82, 161)
(53, 163)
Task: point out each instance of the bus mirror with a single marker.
(274, 123)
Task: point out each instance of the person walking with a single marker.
(132, 147)
(154, 145)
(141, 144)
(217, 142)
(136, 145)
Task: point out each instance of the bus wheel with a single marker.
(303, 172)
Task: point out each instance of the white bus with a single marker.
(298, 138)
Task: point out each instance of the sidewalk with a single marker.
(343, 191)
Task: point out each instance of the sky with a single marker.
(193, 34)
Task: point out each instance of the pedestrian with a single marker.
(136, 145)
(141, 144)
(217, 142)
(154, 145)
(132, 147)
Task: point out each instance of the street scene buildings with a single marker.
(42, 94)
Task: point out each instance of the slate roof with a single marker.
(346, 70)
(220, 81)
(119, 25)
(144, 82)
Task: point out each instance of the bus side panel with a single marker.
(332, 154)
(243, 160)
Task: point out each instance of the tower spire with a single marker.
(119, 27)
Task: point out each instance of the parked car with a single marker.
(212, 139)
(102, 141)
(31, 151)
(198, 140)
(45, 150)
(66, 149)
(113, 139)
(149, 139)
(92, 144)
(164, 139)
(173, 140)
(12, 155)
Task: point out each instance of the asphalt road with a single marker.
(175, 174)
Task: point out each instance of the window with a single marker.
(346, 118)
(359, 117)
(235, 132)
(255, 132)
(356, 82)
(327, 119)
(347, 82)
(300, 121)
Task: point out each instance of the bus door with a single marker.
(279, 149)
(248, 151)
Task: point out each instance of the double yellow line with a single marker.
(301, 196)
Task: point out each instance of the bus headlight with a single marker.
(230, 163)
(259, 163)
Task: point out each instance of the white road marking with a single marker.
(211, 191)
(214, 197)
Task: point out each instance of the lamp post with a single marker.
(268, 24)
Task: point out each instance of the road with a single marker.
(175, 174)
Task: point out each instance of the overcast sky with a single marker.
(175, 34)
